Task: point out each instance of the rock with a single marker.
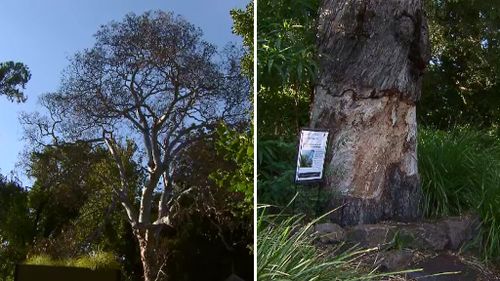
(424, 236)
(428, 236)
(433, 269)
(461, 229)
(370, 235)
(394, 260)
(436, 235)
(329, 232)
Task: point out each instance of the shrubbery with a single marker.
(460, 172)
(275, 181)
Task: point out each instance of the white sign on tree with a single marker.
(311, 156)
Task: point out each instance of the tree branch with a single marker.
(122, 196)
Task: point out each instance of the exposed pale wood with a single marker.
(372, 56)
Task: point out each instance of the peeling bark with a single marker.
(372, 56)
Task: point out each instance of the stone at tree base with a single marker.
(370, 235)
(405, 246)
(436, 235)
(461, 229)
(425, 236)
(394, 260)
(329, 232)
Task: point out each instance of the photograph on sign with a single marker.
(311, 156)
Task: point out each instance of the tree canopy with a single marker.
(462, 84)
(150, 78)
(152, 82)
(13, 78)
(243, 26)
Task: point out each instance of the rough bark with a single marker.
(372, 55)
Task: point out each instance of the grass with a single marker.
(94, 261)
(460, 172)
(286, 251)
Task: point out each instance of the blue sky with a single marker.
(44, 34)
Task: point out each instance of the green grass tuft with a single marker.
(95, 260)
(286, 251)
(45, 260)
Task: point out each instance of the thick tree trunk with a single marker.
(372, 56)
(150, 258)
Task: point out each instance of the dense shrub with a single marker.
(460, 172)
(275, 181)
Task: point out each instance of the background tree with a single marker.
(462, 84)
(216, 237)
(243, 26)
(15, 226)
(13, 78)
(73, 203)
(287, 65)
(152, 79)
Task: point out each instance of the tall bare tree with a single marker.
(372, 54)
(152, 79)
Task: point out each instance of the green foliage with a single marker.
(460, 172)
(286, 252)
(15, 222)
(275, 157)
(58, 193)
(75, 183)
(286, 38)
(13, 78)
(287, 67)
(462, 84)
(282, 112)
(232, 145)
(275, 181)
(75, 210)
(243, 26)
(95, 260)
(238, 148)
(15, 225)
